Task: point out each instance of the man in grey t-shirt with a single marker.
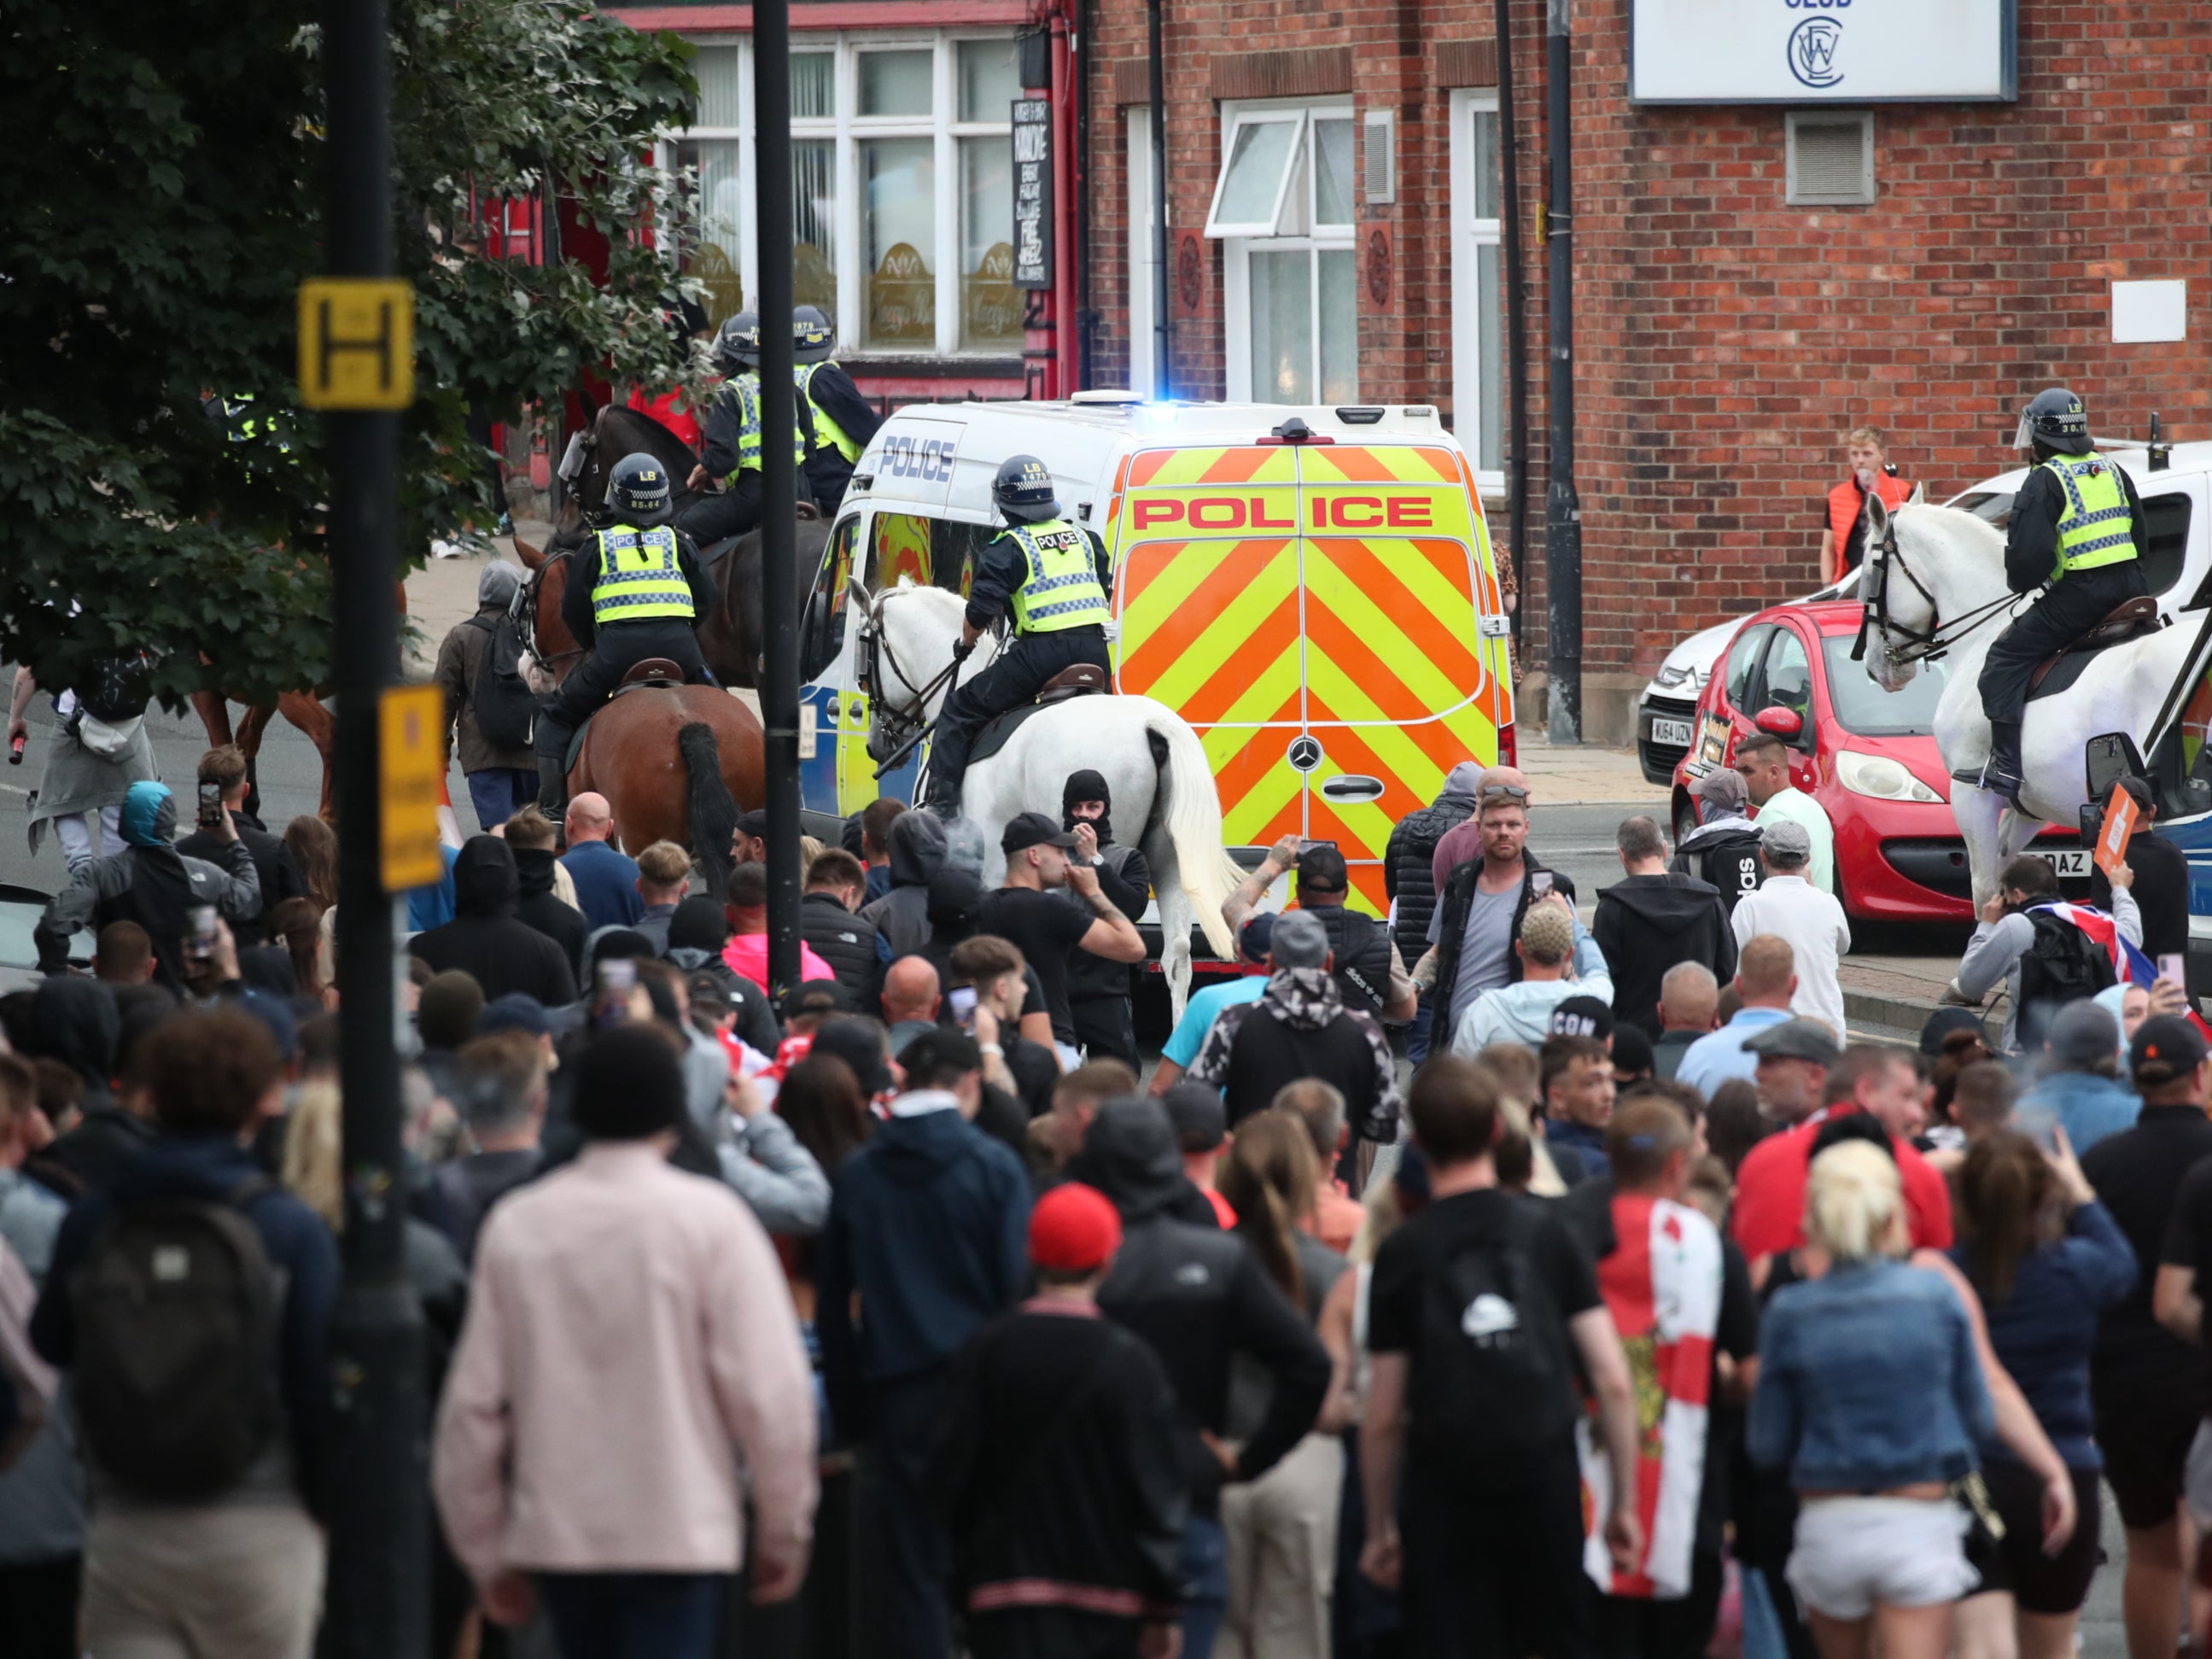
(1485, 949)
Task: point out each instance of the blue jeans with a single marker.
(1206, 1569)
(1417, 1034)
(499, 791)
(635, 1616)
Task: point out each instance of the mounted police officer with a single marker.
(637, 589)
(1055, 578)
(2077, 525)
(841, 420)
(733, 451)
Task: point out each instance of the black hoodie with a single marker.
(542, 908)
(1645, 925)
(1200, 1296)
(485, 941)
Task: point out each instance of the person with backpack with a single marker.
(2045, 960)
(101, 748)
(1478, 1309)
(489, 710)
(1409, 881)
(190, 1302)
(1722, 850)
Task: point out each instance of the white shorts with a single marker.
(2197, 1478)
(1850, 1553)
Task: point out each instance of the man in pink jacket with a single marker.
(629, 1346)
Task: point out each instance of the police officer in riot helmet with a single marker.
(2077, 525)
(732, 453)
(841, 420)
(1054, 577)
(637, 589)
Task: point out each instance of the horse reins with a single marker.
(1939, 636)
(874, 641)
(525, 609)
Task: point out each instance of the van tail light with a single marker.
(1509, 751)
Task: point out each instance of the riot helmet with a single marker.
(2056, 419)
(639, 491)
(812, 339)
(1023, 490)
(736, 348)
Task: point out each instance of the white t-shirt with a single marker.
(1819, 935)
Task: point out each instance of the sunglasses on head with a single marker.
(1503, 792)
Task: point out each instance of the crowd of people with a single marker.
(1552, 1337)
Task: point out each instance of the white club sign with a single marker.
(1817, 52)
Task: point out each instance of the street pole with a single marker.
(779, 483)
(1161, 380)
(1563, 513)
(377, 1605)
(1517, 324)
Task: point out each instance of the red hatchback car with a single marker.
(1868, 755)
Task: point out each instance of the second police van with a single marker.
(1312, 589)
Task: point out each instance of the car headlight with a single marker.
(1881, 777)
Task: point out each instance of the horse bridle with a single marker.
(1939, 636)
(523, 610)
(902, 727)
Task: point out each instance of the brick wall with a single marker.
(1725, 340)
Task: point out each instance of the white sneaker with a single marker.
(442, 549)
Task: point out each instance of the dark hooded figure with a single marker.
(917, 848)
(697, 933)
(1098, 990)
(543, 909)
(79, 1024)
(485, 941)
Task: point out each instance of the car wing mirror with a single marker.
(1785, 723)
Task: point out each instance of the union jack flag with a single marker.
(2129, 965)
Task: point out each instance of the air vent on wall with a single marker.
(1830, 159)
(1381, 181)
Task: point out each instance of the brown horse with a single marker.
(676, 763)
(618, 431)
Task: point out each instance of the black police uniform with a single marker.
(1017, 673)
(717, 517)
(827, 474)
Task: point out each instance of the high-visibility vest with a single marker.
(827, 433)
(639, 580)
(1846, 502)
(2098, 528)
(1061, 589)
(746, 389)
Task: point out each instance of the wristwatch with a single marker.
(992, 1048)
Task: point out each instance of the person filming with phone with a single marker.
(1370, 973)
(152, 884)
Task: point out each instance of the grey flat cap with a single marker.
(1796, 1039)
(1785, 838)
(1299, 940)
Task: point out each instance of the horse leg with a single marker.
(307, 712)
(1978, 812)
(215, 715)
(250, 733)
(1176, 919)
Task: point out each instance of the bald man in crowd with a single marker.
(911, 996)
(606, 880)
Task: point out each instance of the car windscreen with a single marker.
(1863, 707)
(17, 919)
(1993, 505)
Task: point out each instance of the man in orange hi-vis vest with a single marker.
(1843, 536)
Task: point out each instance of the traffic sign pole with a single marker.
(356, 363)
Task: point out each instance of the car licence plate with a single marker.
(1676, 734)
(2070, 861)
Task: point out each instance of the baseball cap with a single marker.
(1784, 838)
(1322, 869)
(1201, 1121)
(1073, 1229)
(2166, 1047)
(1258, 934)
(753, 823)
(1298, 940)
(1941, 1024)
(1585, 1017)
(1722, 788)
(2082, 1035)
(1631, 1050)
(1795, 1039)
(1027, 829)
(517, 1011)
(817, 996)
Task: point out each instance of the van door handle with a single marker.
(1352, 786)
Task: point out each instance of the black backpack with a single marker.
(505, 706)
(1492, 1391)
(2061, 964)
(1730, 863)
(177, 1311)
(118, 687)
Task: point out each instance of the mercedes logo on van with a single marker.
(1305, 753)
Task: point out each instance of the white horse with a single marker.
(1934, 571)
(1163, 784)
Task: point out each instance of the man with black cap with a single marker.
(1099, 986)
(2161, 881)
(1370, 973)
(629, 1525)
(2149, 1388)
(697, 933)
(1044, 926)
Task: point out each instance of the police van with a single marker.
(1313, 589)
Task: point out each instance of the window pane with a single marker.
(1254, 176)
(1332, 172)
(814, 85)
(990, 304)
(894, 83)
(990, 79)
(1490, 362)
(814, 226)
(717, 69)
(1486, 163)
(1340, 323)
(1282, 327)
(898, 180)
(714, 259)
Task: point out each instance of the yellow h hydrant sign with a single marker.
(356, 343)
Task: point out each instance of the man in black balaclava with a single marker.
(1098, 990)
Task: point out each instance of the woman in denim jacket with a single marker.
(1871, 1394)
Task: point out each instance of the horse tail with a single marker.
(1193, 819)
(714, 814)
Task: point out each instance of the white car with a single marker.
(2172, 480)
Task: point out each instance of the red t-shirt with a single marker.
(671, 409)
(1769, 1216)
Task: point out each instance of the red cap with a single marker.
(1074, 1229)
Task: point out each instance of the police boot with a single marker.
(552, 788)
(2001, 773)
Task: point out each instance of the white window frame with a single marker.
(1467, 234)
(847, 130)
(1294, 211)
(1235, 118)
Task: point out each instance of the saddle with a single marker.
(2132, 620)
(1083, 679)
(651, 671)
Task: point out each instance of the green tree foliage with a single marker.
(161, 200)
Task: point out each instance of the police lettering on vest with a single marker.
(1061, 590)
(639, 580)
(746, 388)
(828, 434)
(2097, 527)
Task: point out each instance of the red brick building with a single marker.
(1753, 280)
